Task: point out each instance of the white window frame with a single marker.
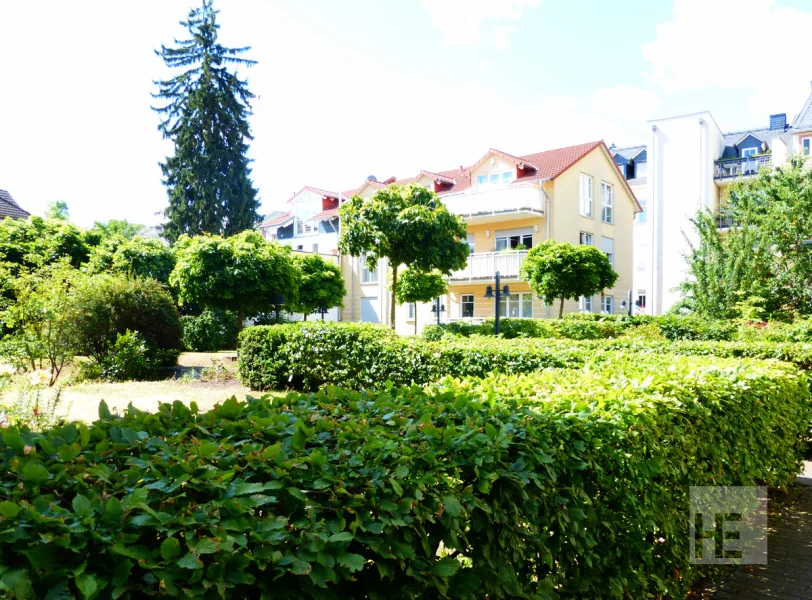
(410, 311)
(516, 298)
(506, 240)
(585, 238)
(464, 299)
(637, 173)
(586, 196)
(367, 276)
(607, 305)
(609, 255)
(641, 218)
(607, 202)
(806, 146)
(749, 152)
(469, 238)
(496, 179)
(585, 304)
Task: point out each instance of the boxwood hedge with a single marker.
(568, 483)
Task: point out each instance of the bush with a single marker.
(305, 356)
(210, 331)
(570, 483)
(108, 306)
(690, 327)
(130, 358)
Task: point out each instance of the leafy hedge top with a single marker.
(505, 488)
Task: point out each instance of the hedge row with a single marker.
(566, 484)
(306, 356)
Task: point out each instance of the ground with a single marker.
(81, 402)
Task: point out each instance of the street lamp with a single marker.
(500, 291)
(278, 301)
(321, 310)
(436, 307)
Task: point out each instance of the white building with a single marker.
(687, 164)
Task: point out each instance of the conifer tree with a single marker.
(206, 116)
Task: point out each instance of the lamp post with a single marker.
(278, 301)
(500, 291)
(321, 310)
(436, 307)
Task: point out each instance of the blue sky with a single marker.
(386, 87)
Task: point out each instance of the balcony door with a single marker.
(514, 238)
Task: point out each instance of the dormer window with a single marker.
(748, 152)
(494, 179)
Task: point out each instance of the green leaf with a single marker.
(231, 408)
(104, 411)
(13, 441)
(9, 510)
(452, 506)
(113, 511)
(88, 585)
(207, 546)
(299, 437)
(354, 562)
(300, 567)
(190, 561)
(396, 486)
(446, 567)
(206, 449)
(491, 431)
(344, 536)
(82, 506)
(35, 473)
(170, 549)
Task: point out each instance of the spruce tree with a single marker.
(206, 116)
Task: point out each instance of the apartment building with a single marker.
(510, 203)
(689, 163)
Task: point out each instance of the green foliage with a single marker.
(408, 226)
(763, 254)
(40, 318)
(321, 284)
(135, 257)
(306, 356)
(417, 286)
(210, 331)
(401, 493)
(559, 270)
(35, 242)
(206, 110)
(130, 358)
(243, 273)
(115, 228)
(108, 306)
(57, 209)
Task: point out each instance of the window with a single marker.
(300, 247)
(586, 196)
(622, 167)
(494, 179)
(641, 299)
(642, 217)
(608, 305)
(467, 306)
(748, 152)
(516, 306)
(608, 248)
(586, 239)
(513, 238)
(805, 147)
(640, 169)
(410, 315)
(607, 197)
(586, 304)
(470, 240)
(368, 276)
(315, 248)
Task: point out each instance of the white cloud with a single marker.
(750, 45)
(462, 20)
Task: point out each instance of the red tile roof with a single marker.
(325, 214)
(324, 193)
(277, 220)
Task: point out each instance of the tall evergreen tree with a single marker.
(206, 116)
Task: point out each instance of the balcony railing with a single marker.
(737, 167)
(724, 220)
(483, 265)
(483, 202)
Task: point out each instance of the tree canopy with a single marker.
(418, 286)
(36, 242)
(561, 271)
(135, 257)
(58, 209)
(408, 226)
(243, 273)
(321, 285)
(116, 227)
(763, 258)
(206, 116)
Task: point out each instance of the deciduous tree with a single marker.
(206, 116)
(408, 226)
(321, 285)
(559, 270)
(135, 257)
(417, 286)
(58, 209)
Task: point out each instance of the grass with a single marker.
(80, 402)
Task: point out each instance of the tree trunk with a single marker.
(561, 308)
(239, 326)
(415, 319)
(394, 296)
(304, 315)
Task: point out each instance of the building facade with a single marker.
(688, 164)
(510, 204)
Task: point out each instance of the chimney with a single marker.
(778, 122)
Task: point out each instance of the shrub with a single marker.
(131, 357)
(674, 327)
(108, 306)
(563, 483)
(210, 331)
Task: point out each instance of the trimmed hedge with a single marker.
(210, 331)
(306, 356)
(565, 481)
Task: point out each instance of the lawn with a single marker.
(80, 402)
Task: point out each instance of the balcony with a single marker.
(724, 220)
(499, 204)
(483, 265)
(731, 168)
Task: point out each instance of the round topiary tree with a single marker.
(417, 286)
(321, 285)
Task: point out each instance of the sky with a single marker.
(378, 87)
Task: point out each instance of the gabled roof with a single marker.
(436, 177)
(629, 152)
(517, 160)
(323, 193)
(278, 220)
(10, 208)
(325, 214)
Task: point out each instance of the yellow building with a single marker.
(512, 203)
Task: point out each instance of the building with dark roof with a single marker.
(10, 208)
